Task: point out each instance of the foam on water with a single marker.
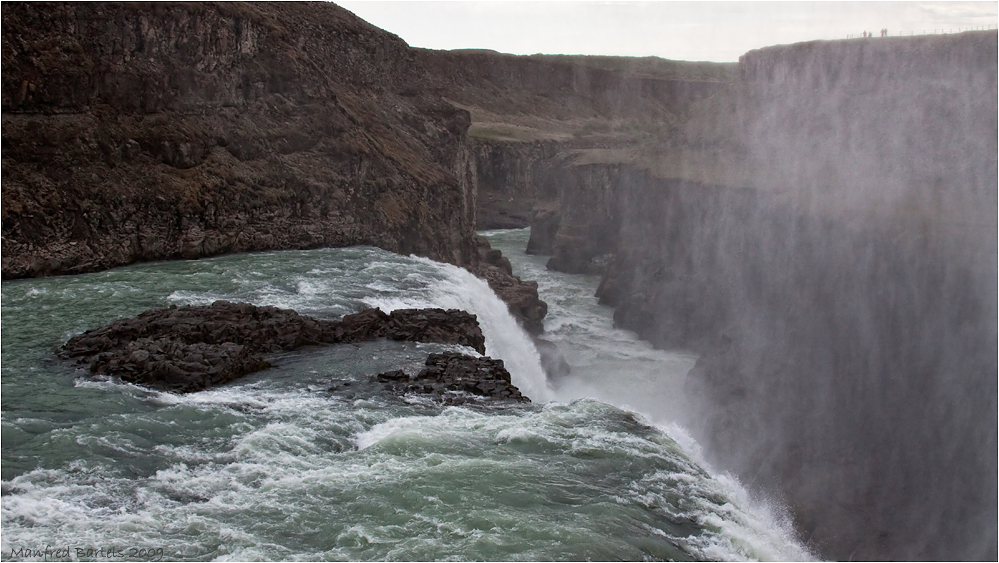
(457, 288)
(587, 430)
(280, 466)
(615, 366)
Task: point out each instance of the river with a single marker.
(309, 461)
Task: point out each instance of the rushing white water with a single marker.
(616, 367)
(312, 460)
(457, 288)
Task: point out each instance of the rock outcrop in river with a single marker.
(194, 348)
(456, 379)
(818, 224)
(520, 296)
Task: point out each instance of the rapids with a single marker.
(310, 461)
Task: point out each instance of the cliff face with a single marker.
(820, 230)
(849, 370)
(508, 174)
(822, 234)
(135, 132)
(533, 115)
(568, 97)
(920, 125)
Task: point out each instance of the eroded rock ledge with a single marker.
(456, 379)
(192, 348)
(521, 297)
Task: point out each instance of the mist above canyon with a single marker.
(817, 222)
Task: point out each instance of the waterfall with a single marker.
(457, 288)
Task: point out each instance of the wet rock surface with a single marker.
(552, 359)
(194, 348)
(456, 379)
(521, 297)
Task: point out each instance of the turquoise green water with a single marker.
(309, 461)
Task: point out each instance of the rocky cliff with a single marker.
(148, 132)
(817, 224)
(143, 132)
(821, 233)
(531, 115)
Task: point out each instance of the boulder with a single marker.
(552, 360)
(456, 379)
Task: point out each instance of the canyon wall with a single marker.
(822, 234)
(139, 132)
(532, 115)
(849, 371)
(818, 224)
(509, 176)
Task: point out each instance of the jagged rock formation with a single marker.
(822, 234)
(456, 379)
(194, 348)
(137, 133)
(142, 132)
(509, 175)
(520, 296)
(820, 230)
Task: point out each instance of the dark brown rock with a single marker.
(197, 347)
(527, 112)
(457, 378)
(289, 135)
(521, 297)
(545, 220)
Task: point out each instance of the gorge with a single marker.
(814, 224)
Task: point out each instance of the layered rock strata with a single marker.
(456, 379)
(193, 348)
(511, 177)
(529, 112)
(137, 132)
(820, 231)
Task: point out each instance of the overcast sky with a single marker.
(705, 31)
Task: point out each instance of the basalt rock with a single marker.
(193, 348)
(528, 113)
(521, 297)
(553, 360)
(456, 379)
(136, 132)
(450, 326)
